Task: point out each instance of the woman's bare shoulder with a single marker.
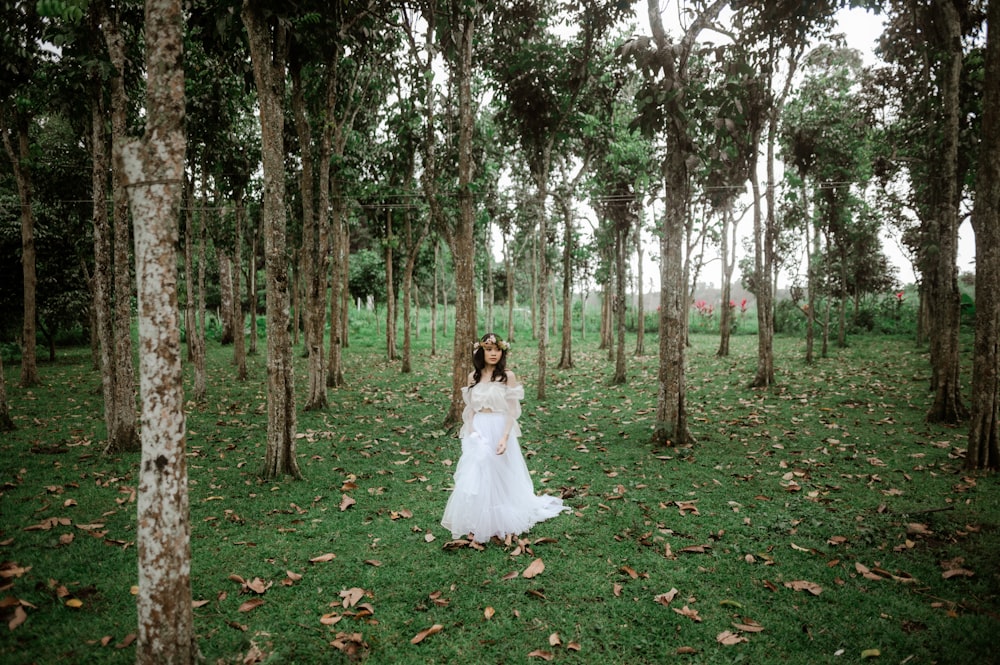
(511, 378)
(471, 379)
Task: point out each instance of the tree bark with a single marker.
(671, 415)
(117, 278)
(462, 240)
(313, 251)
(622, 224)
(640, 303)
(728, 255)
(19, 159)
(566, 355)
(153, 169)
(984, 432)
(239, 336)
(225, 263)
(101, 282)
(413, 245)
(941, 247)
(6, 422)
(390, 292)
(268, 51)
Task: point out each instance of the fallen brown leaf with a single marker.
(803, 585)
(541, 653)
(666, 598)
(251, 605)
(689, 613)
(534, 569)
(728, 638)
(329, 556)
(352, 596)
(419, 637)
(19, 617)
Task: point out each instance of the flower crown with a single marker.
(492, 339)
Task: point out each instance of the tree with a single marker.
(153, 168)
(825, 137)
(984, 432)
(6, 422)
(663, 107)
(20, 43)
(267, 34)
(925, 82)
(545, 80)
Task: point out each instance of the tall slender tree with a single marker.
(267, 34)
(665, 64)
(153, 169)
(20, 40)
(984, 432)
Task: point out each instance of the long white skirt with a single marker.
(493, 494)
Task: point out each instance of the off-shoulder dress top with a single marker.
(495, 397)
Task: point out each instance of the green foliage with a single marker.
(367, 278)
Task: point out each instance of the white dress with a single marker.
(493, 494)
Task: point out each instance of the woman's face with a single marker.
(492, 353)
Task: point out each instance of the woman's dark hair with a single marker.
(479, 359)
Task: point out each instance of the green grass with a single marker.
(802, 483)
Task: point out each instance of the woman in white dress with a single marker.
(493, 494)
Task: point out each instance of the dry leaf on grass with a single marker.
(329, 556)
(419, 637)
(689, 613)
(251, 604)
(728, 638)
(666, 598)
(542, 653)
(803, 585)
(534, 569)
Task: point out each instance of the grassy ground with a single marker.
(816, 522)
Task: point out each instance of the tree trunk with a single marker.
(434, 299)
(102, 284)
(268, 50)
(566, 357)
(764, 265)
(511, 291)
(671, 415)
(154, 170)
(728, 257)
(224, 260)
(984, 432)
(621, 226)
(941, 254)
(123, 435)
(312, 251)
(541, 195)
(239, 337)
(391, 352)
(413, 246)
(252, 289)
(462, 247)
(19, 159)
(6, 422)
(640, 302)
(194, 339)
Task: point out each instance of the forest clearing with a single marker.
(798, 466)
(819, 521)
